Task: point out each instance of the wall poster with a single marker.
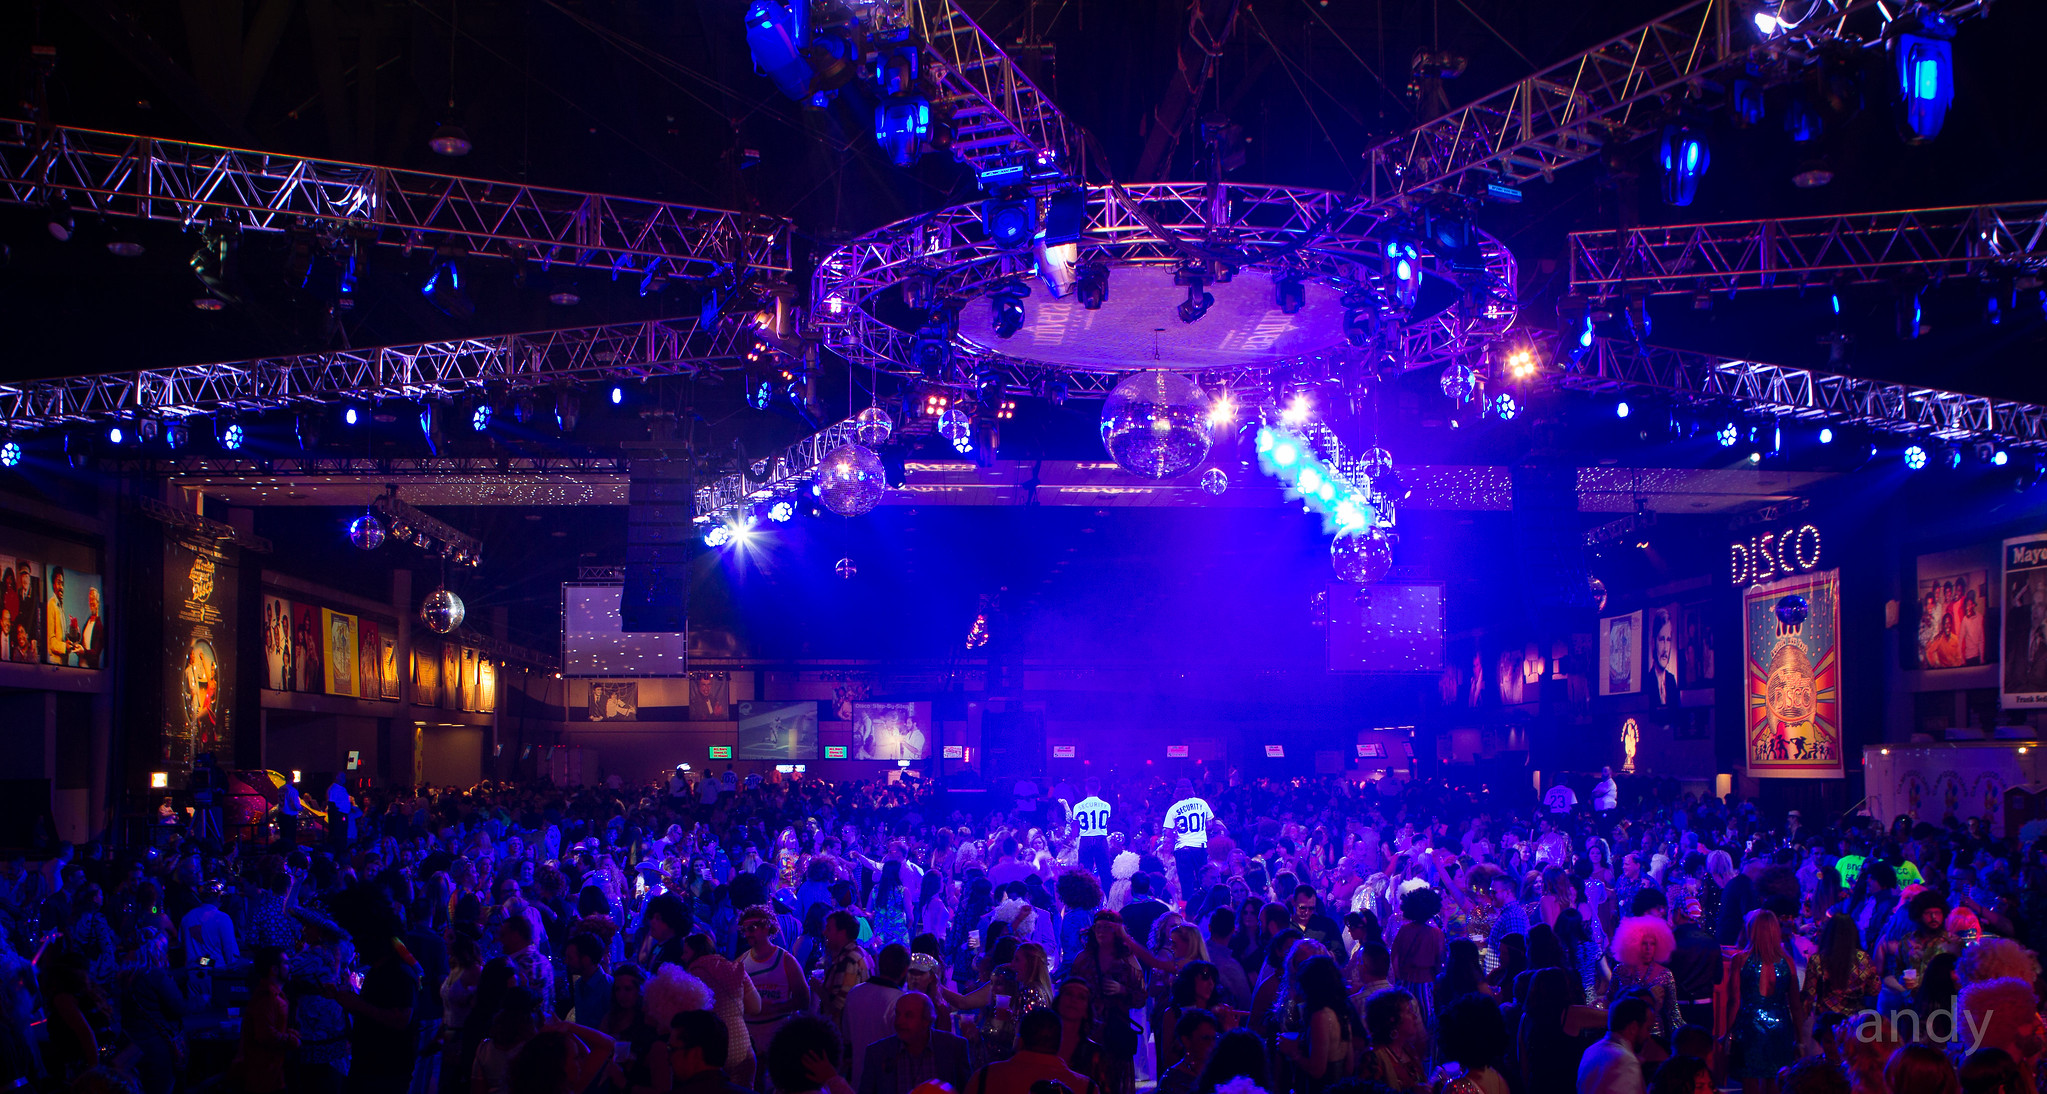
(451, 677)
(1793, 727)
(1950, 611)
(615, 702)
(1665, 678)
(889, 731)
(486, 685)
(426, 676)
(337, 630)
(471, 696)
(1620, 654)
(369, 660)
(390, 668)
(21, 610)
(2025, 622)
(308, 640)
(199, 652)
(278, 666)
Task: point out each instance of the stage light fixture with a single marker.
(760, 391)
(430, 426)
(125, 246)
(568, 409)
(655, 278)
(116, 435)
(1826, 434)
(1222, 412)
(1999, 458)
(901, 125)
(1728, 435)
(60, 220)
(1298, 410)
(1009, 216)
(1091, 285)
(479, 418)
(177, 433)
(443, 289)
(350, 415)
(781, 510)
(1198, 301)
(1504, 407)
(230, 433)
(1950, 457)
(955, 427)
(1922, 51)
(1915, 457)
(1574, 326)
(217, 265)
(1684, 157)
(1360, 318)
(148, 428)
(771, 36)
(449, 139)
(1289, 295)
(1009, 310)
(1403, 264)
(10, 453)
(1621, 409)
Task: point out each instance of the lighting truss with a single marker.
(1968, 240)
(428, 532)
(382, 469)
(1804, 393)
(999, 117)
(1613, 92)
(951, 247)
(628, 351)
(126, 175)
(727, 496)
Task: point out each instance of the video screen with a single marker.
(1386, 628)
(891, 731)
(787, 732)
(594, 643)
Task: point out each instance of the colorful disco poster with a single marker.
(1950, 610)
(1793, 727)
(307, 642)
(199, 653)
(1620, 654)
(338, 631)
(2025, 622)
(277, 660)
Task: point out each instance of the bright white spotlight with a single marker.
(1768, 24)
(1297, 410)
(781, 511)
(742, 534)
(1999, 458)
(1915, 457)
(1311, 480)
(1620, 409)
(1222, 412)
(718, 536)
(1284, 454)
(617, 395)
(1826, 434)
(349, 416)
(115, 435)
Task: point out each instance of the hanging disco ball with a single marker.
(442, 611)
(1155, 424)
(1361, 558)
(1376, 462)
(366, 532)
(957, 428)
(851, 480)
(1459, 382)
(1793, 610)
(1598, 590)
(1214, 481)
(845, 568)
(872, 426)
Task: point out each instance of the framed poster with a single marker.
(890, 731)
(615, 702)
(278, 665)
(1665, 674)
(21, 611)
(390, 663)
(1950, 611)
(1793, 669)
(487, 685)
(1620, 654)
(426, 677)
(307, 649)
(472, 698)
(451, 677)
(369, 660)
(198, 651)
(337, 630)
(2025, 622)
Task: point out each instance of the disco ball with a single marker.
(845, 568)
(1376, 462)
(1214, 481)
(1155, 424)
(1361, 557)
(1598, 590)
(872, 426)
(1793, 610)
(366, 532)
(851, 481)
(1459, 382)
(956, 427)
(442, 611)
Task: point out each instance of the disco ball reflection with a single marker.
(851, 480)
(366, 532)
(1361, 558)
(872, 426)
(846, 569)
(1376, 462)
(1459, 382)
(1214, 481)
(442, 611)
(1792, 611)
(1155, 424)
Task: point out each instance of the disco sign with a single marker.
(1767, 556)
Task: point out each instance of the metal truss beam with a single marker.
(630, 351)
(998, 116)
(381, 469)
(1967, 240)
(729, 495)
(1804, 393)
(1613, 92)
(125, 175)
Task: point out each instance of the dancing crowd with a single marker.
(712, 934)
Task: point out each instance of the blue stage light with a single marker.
(781, 511)
(1685, 158)
(773, 36)
(1620, 409)
(231, 436)
(1999, 458)
(617, 395)
(350, 416)
(1915, 457)
(1826, 434)
(116, 435)
(1923, 51)
(1727, 435)
(900, 127)
(10, 453)
(479, 419)
(1504, 407)
(1009, 218)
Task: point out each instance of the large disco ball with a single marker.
(1376, 462)
(1459, 382)
(1598, 590)
(1214, 481)
(442, 611)
(873, 426)
(366, 532)
(1793, 610)
(851, 480)
(1155, 424)
(1361, 558)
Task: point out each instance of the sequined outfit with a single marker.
(1765, 1038)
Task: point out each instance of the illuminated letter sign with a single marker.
(1767, 556)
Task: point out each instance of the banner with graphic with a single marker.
(199, 653)
(1793, 663)
(337, 629)
(2025, 622)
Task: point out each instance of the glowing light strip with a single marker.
(1320, 487)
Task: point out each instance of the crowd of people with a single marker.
(713, 934)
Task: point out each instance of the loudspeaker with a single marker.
(659, 542)
(1012, 743)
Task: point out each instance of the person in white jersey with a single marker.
(777, 976)
(1091, 820)
(1188, 821)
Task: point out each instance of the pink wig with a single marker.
(671, 992)
(1627, 938)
